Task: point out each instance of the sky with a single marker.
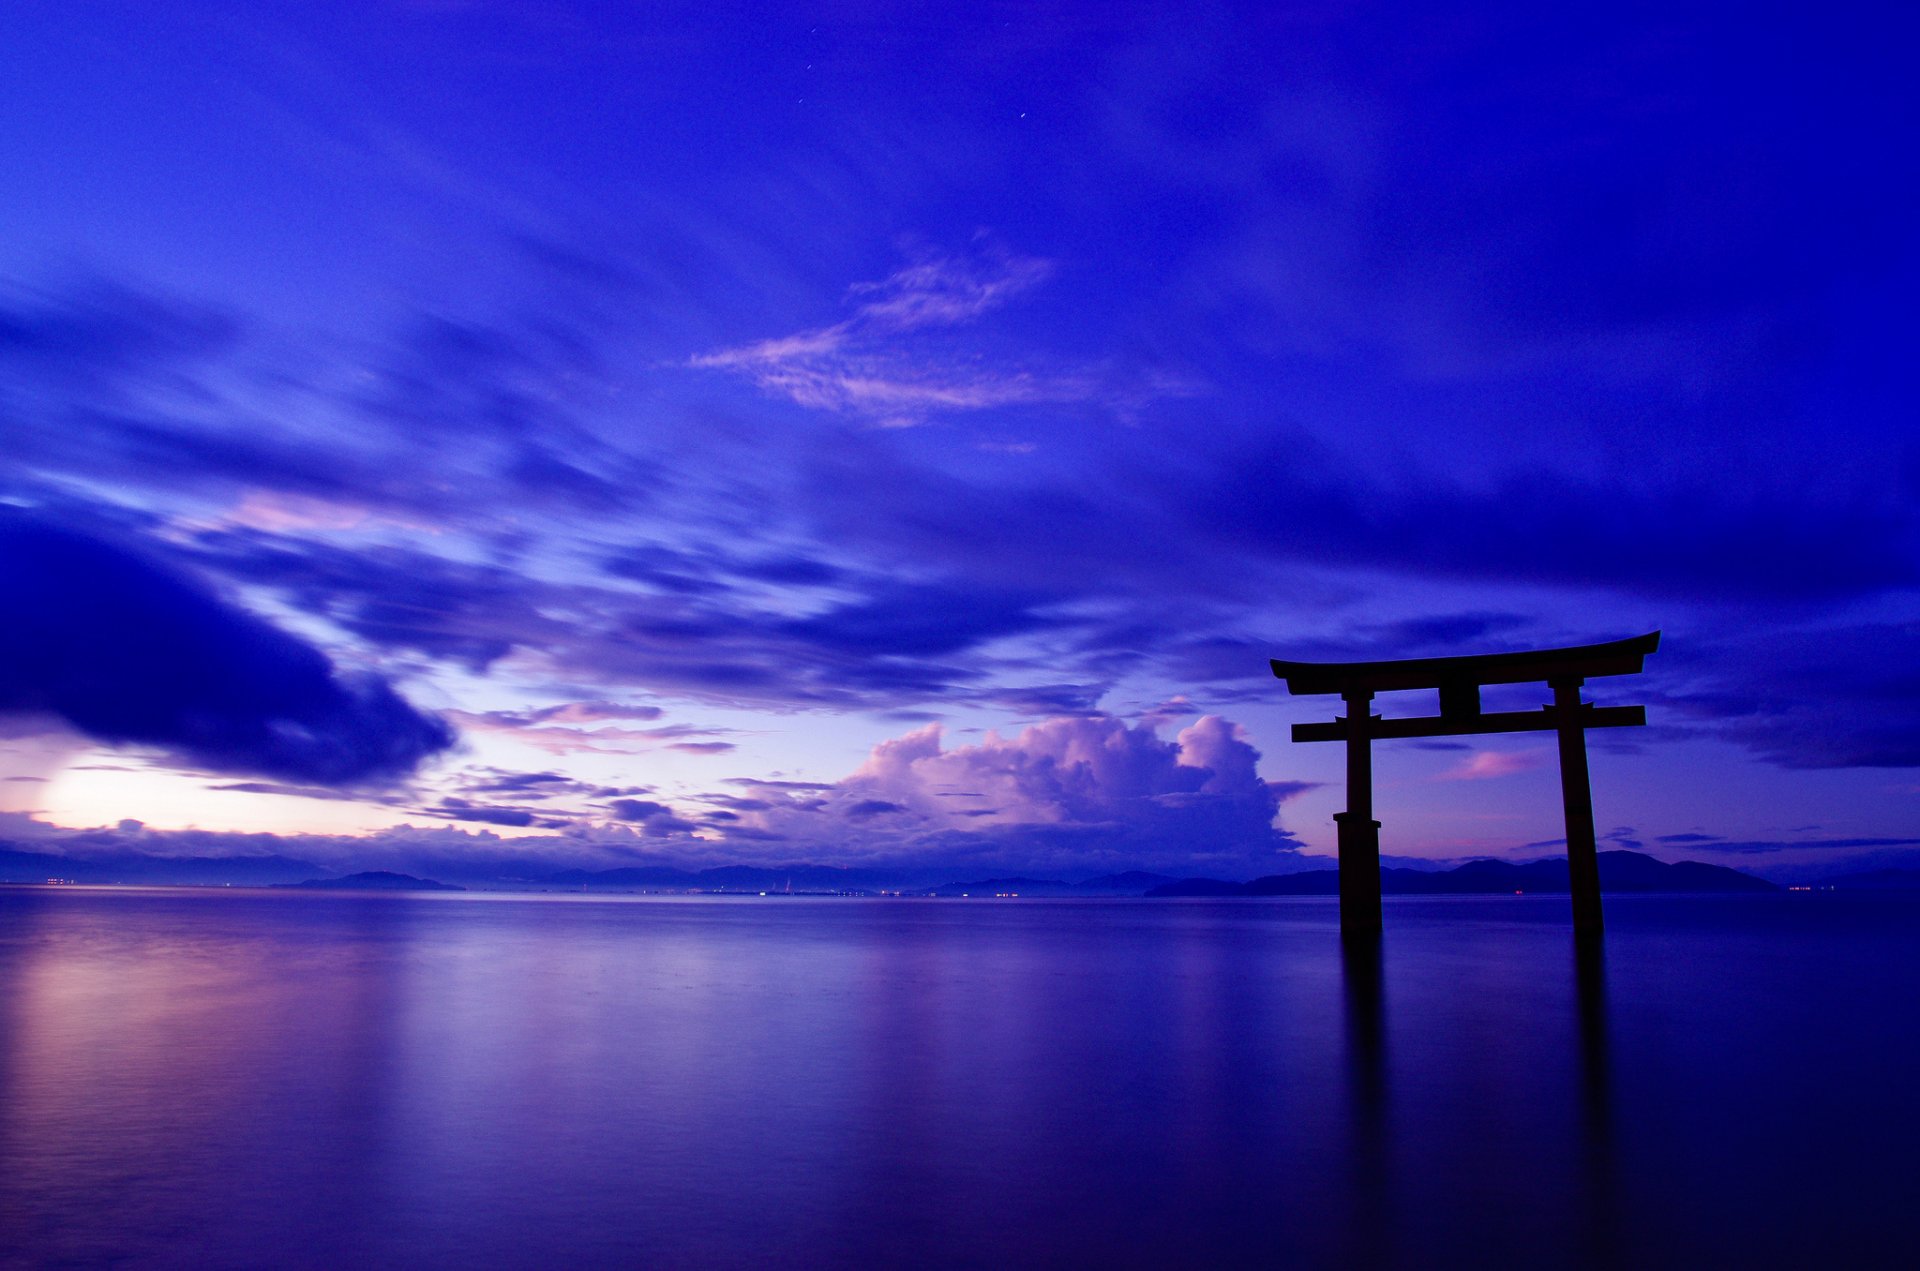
(885, 435)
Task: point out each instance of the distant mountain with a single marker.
(1007, 886)
(373, 880)
(724, 878)
(1132, 883)
(1619, 872)
(17, 866)
(830, 878)
(1135, 882)
(629, 876)
(1216, 886)
(1876, 880)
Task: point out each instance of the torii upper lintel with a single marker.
(1459, 681)
(1614, 657)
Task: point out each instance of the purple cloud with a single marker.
(1075, 793)
(866, 365)
(130, 653)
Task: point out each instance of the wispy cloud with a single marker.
(1485, 764)
(889, 362)
(533, 729)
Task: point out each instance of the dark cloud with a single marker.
(656, 820)
(70, 334)
(918, 621)
(454, 808)
(1051, 699)
(399, 598)
(1838, 846)
(1836, 697)
(536, 785)
(879, 649)
(637, 809)
(1681, 540)
(127, 652)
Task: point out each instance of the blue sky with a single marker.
(858, 434)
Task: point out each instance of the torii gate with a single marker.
(1459, 680)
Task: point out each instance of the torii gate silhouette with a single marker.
(1459, 680)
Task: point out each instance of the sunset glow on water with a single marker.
(700, 635)
(263, 1079)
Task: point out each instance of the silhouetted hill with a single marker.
(373, 880)
(1212, 886)
(630, 876)
(18, 866)
(1619, 872)
(1135, 882)
(740, 879)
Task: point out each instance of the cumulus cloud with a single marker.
(126, 652)
(1071, 794)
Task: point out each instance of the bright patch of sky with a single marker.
(626, 409)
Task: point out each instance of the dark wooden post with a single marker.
(1359, 833)
(1576, 795)
(1459, 680)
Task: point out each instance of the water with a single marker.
(227, 1079)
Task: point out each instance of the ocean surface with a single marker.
(258, 1079)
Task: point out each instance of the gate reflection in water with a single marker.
(225, 1078)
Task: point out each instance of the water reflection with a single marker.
(1590, 982)
(1362, 976)
(1553, 1076)
(219, 1079)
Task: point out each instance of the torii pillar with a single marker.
(1459, 680)
(1359, 833)
(1576, 798)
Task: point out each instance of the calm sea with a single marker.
(254, 1079)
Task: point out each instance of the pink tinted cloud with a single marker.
(1074, 793)
(1485, 764)
(535, 729)
(878, 363)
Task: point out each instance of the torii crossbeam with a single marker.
(1460, 680)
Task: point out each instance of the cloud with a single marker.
(1483, 764)
(896, 360)
(129, 653)
(108, 382)
(877, 639)
(1070, 794)
(917, 620)
(454, 808)
(1816, 697)
(656, 820)
(560, 739)
(1680, 539)
(1838, 846)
